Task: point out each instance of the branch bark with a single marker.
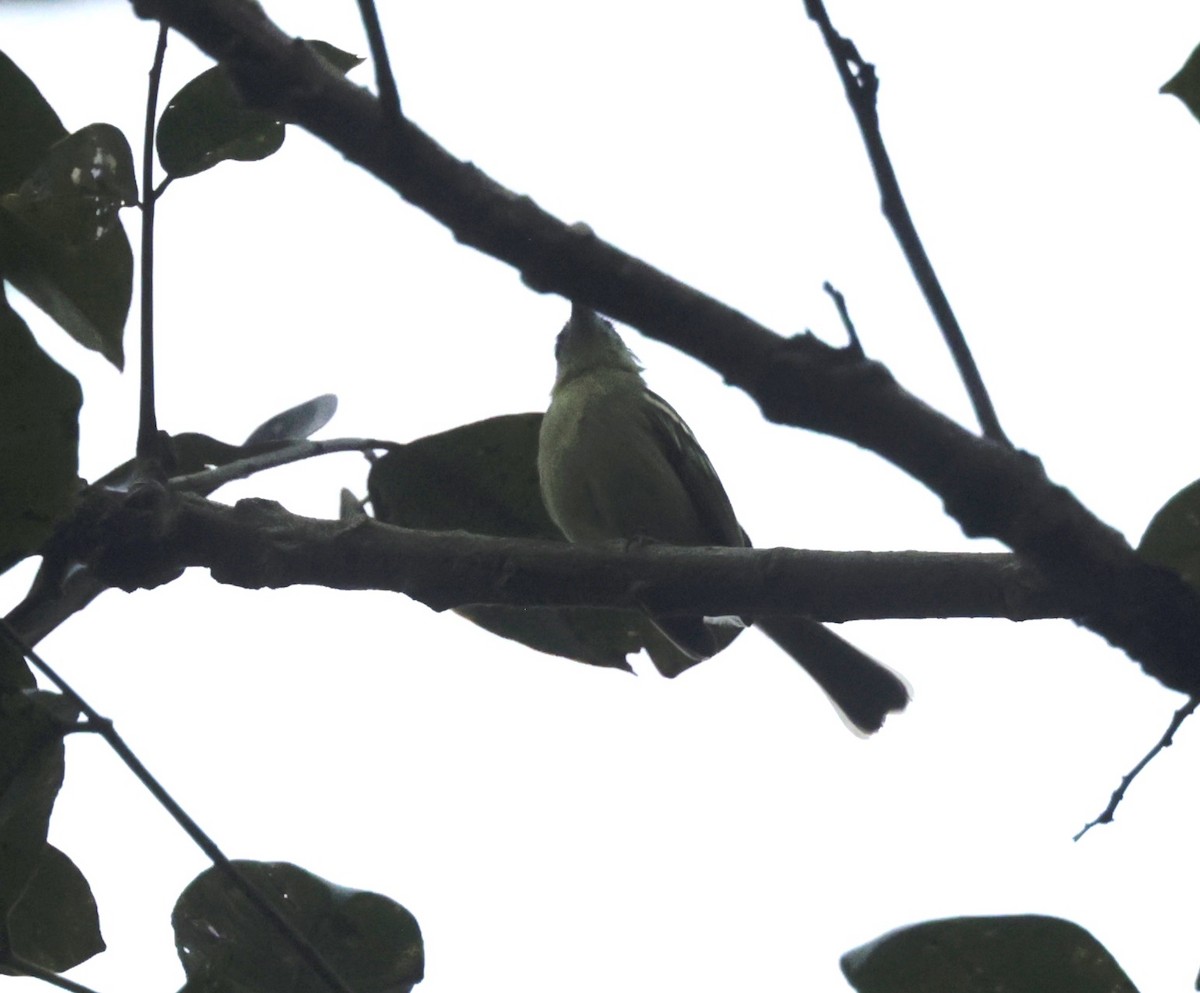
(149, 537)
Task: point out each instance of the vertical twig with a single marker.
(147, 439)
(385, 82)
(839, 301)
(861, 85)
(257, 898)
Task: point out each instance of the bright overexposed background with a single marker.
(556, 827)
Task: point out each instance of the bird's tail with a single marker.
(863, 690)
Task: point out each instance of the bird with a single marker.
(616, 462)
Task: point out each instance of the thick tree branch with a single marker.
(990, 489)
(148, 538)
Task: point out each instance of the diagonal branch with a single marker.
(989, 488)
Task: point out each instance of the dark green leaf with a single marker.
(39, 439)
(1173, 536)
(55, 923)
(15, 673)
(479, 477)
(28, 125)
(83, 283)
(482, 478)
(31, 772)
(195, 452)
(225, 943)
(1185, 84)
(296, 423)
(1019, 954)
(597, 637)
(206, 123)
(72, 197)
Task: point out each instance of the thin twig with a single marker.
(385, 82)
(1106, 816)
(862, 87)
(209, 480)
(104, 727)
(35, 971)
(147, 439)
(839, 301)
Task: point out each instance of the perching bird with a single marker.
(616, 461)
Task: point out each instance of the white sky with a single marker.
(558, 827)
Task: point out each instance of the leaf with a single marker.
(73, 196)
(208, 122)
(1185, 84)
(296, 423)
(1172, 538)
(56, 201)
(87, 292)
(28, 125)
(55, 924)
(482, 478)
(39, 440)
(1017, 954)
(61, 241)
(15, 673)
(479, 477)
(225, 943)
(31, 773)
(600, 637)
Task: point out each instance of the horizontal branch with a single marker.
(989, 489)
(150, 537)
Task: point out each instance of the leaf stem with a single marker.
(147, 438)
(385, 82)
(35, 971)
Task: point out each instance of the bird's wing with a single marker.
(695, 472)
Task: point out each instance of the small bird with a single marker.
(615, 461)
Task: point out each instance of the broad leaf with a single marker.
(31, 773)
(28, 125)
(226, 943)
(73, 195)
(296, 423)
(1173, 535)
(1018, 954)
(479, 477)
(207, 122)
(482, 478)
(55, 923)
(39, 440)
(85, 290)
(60, 242)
